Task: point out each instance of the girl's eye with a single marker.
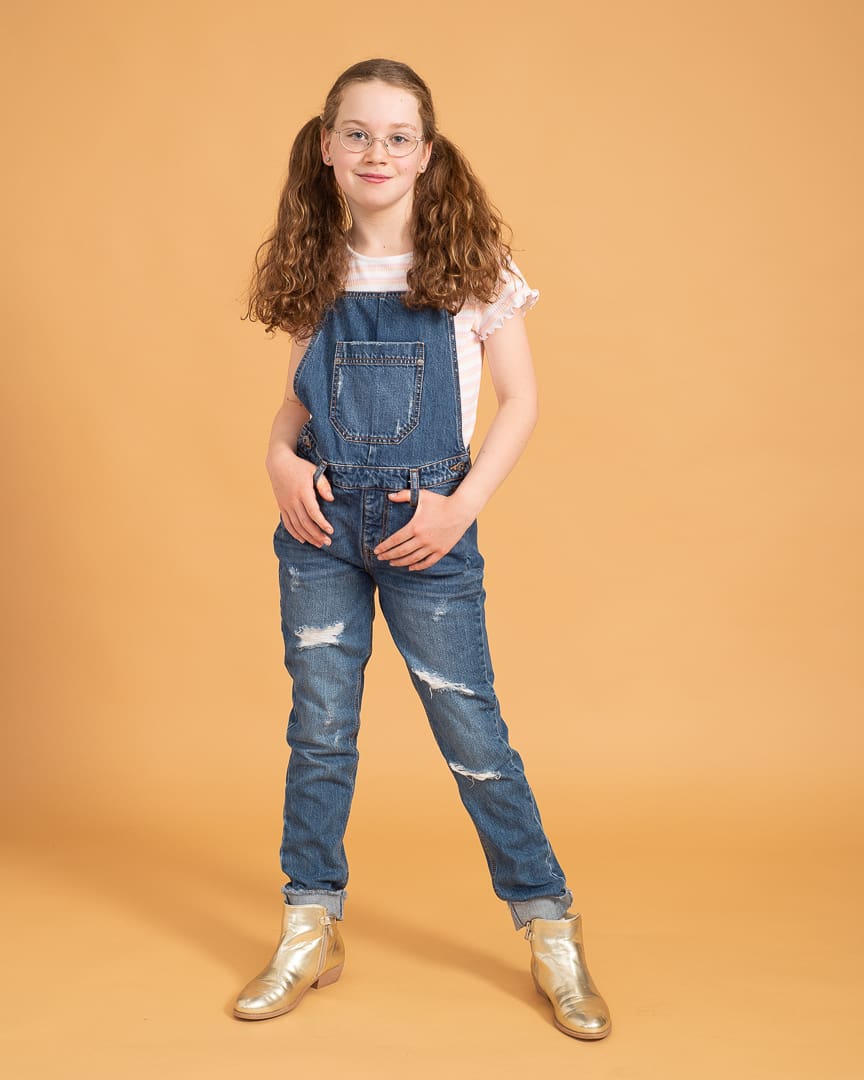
(357, 135)
(400, 140)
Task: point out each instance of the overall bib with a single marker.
(381, 384)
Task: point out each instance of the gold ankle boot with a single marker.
(561, 975)
(310, 953)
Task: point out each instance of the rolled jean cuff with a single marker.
(332, 902)
(541, 907)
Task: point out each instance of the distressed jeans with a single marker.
(437, 620)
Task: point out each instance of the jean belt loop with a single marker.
(319, 472)
(415, 487)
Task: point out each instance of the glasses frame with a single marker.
(384, 140)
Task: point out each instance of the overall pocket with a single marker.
(376, 390)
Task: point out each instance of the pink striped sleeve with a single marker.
(515, 295)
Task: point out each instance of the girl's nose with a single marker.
(376, 152)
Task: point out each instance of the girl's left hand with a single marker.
(439, 522)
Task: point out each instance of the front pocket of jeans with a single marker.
(376, 390)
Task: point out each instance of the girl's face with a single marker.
(380, 109)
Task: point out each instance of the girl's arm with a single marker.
(290, 475)
(440, 520)
(511, 367)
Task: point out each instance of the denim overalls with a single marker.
(381, 383)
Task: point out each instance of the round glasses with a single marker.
(357, 140)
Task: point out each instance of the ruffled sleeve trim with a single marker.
(515, 294)
(523, 302)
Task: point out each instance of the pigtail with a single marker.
(459, 249)
(304, 260)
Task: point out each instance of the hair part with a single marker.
(301, 267)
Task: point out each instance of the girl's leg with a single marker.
(327, 611)
(437, 620)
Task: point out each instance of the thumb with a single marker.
(324, 489)
(400, 496)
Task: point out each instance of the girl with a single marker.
(388, 269)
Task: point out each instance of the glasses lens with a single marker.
(354, 139)
(400, 145)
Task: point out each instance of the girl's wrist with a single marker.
(278, 453)
(468, 501)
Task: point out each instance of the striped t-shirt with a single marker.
(473, 324)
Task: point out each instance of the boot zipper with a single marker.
(325, 919)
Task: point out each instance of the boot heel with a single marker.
(327, 977)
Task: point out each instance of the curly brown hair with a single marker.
(459, 250)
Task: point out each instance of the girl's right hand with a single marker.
(291, 479)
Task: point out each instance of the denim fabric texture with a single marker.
(381, 384)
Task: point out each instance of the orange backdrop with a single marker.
(674, 568)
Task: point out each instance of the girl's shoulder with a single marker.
(514, 294)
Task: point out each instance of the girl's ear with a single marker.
(325, 145)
